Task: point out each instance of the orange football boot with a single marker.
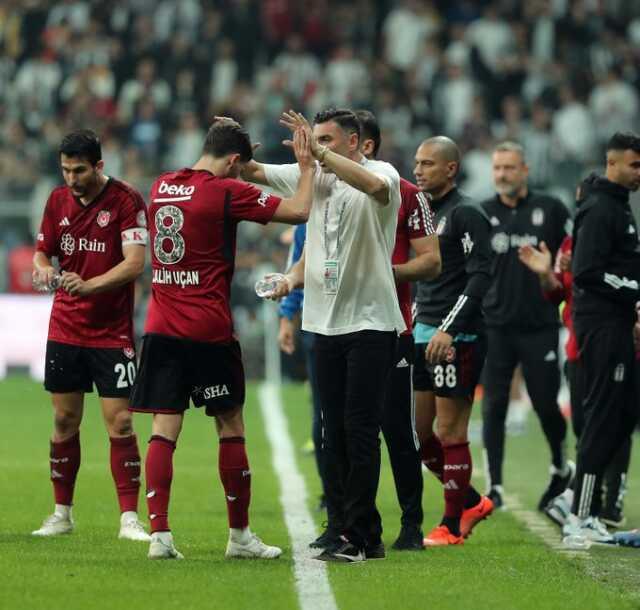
(441, 536)
(472, 516)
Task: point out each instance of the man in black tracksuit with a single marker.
(606, 288)
(522, 326)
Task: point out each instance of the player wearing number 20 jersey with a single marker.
(97, 229)
(190, 351)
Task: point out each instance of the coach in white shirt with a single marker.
(351, 304)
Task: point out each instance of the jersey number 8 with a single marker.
(169, 220)
(444, 375)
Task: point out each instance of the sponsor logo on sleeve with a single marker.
(262, 200)
(414, 220)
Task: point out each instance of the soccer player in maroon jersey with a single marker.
(190, 350)
(96, 227)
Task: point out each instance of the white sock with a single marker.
(164, 537)
(128, 515)
(62, 510)
(240, 535)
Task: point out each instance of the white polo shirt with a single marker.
(351, 230)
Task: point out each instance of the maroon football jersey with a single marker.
(88, 240)
(193, 218)
(415, 220)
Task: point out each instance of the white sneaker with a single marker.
(582, 533)
(132, 529)
(253, 549)
(559, 509)
(161, 547)
(55, 525)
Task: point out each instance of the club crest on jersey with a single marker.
(103, 218)
(441, 225)
(67, 244)
(537, 217)
(129, 352)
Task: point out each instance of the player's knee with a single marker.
(66, 422)
(452, 433)
(121, 424)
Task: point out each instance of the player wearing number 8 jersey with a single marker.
(449, 337)
(190, 350)
(96, 227)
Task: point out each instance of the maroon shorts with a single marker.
(174, 370)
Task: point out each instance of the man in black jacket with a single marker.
(449, 339)
(606, 288)
(522, 326)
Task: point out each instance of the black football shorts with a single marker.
(457, 377)
(174, 370)
(74, 368)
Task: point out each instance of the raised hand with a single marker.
(539, 261)
(294, 120)
(302, 149)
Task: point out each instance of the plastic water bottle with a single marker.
(267, 285)
(40, 286)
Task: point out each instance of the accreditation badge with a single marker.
(331, 276)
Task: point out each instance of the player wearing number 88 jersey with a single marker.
(449, 338)
(189, 350)
(96, 227)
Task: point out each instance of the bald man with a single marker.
(450, 339)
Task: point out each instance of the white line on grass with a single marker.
(312, 584)
(539, 526)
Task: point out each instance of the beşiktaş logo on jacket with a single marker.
(501, 242)
(68, 245)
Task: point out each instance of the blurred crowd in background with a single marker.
(559, 76)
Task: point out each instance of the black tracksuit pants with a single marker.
(398, 427)
(610, 404)
(537, 351)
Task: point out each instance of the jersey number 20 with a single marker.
(168, 244)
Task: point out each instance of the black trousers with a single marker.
(308, 341)
(398, 427)
(352, 372)
(538, 353)
(609, 404)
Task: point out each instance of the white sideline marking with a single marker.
(538, 525)
(312, 584)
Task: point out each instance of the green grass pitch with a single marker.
(502, 565)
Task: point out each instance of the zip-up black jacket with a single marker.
(453, 301)
(515, 299)
(606, 254)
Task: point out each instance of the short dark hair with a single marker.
(624, 141)
(369, 128)
(345, 118)
(83, 143)
(227, 137)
